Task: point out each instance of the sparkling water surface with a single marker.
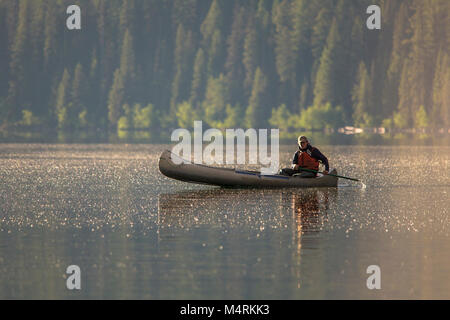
(136, 234)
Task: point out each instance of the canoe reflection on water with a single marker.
(281, 227)
(310, 210)
(305, 210)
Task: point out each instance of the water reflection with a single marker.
(310, 209)
(309, 212)
(303, 210)
(291, 221)
(134, 233)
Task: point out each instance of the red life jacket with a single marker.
(306, 161)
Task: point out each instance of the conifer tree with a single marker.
(127, 59)
(304, 98)
(127, 18)
(183, 55)
(404, 96)
(198, 79)
(445, 110)
(250, 53)
(18, 64)
(211, 30)
(63, 102)
(441, 85)
(233, 64)
(212, 22)
(79, 93)
(325, 84)
(257, 114)
(362, 98)
(214, 105)
(263, 31)
(285, 54)
(301, 34)
(422, 46)
(215, 53)
(115, 99)
(398, 52)
(320, 30)
(50, 35)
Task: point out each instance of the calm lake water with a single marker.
(137, 234)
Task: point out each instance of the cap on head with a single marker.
(301, 138)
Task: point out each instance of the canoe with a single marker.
(224, 177)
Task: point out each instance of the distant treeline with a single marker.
(143, 68)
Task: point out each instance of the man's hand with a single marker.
(295, 166)
(325, 172)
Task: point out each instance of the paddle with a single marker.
(334, 175)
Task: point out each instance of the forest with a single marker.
(141, 68)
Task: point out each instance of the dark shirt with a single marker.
(316, 154)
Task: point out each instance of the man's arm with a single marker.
(295, 161)
(319, 156)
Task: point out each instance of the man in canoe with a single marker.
(307, 157)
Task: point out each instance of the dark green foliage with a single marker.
(162, 64)
(362, 97)
(257, 115)
(327, 79)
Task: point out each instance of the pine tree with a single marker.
(18, 64)
(214, 105)
(4, 52)
(445, 110)
(250, 54)
(285, 54)
(301, 34)
(362, 98)
(398, 53)
(233, 64)
(215, 53)
(127, 18)
(320, 32)
(257, 113)
(357, 46)
(198, 79)
(304, 99)
(343, 63)
(211, 30)
(178, 58)
(441, 85)
(116, 99)
(183, 55)
(63, 104)
(97, 113)
(263, 31)
(212, 22)
(38, 86)
(420, 75)
(405, 98)
(50, 31)
(79, 94)
(127, 60)
(325, 84)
